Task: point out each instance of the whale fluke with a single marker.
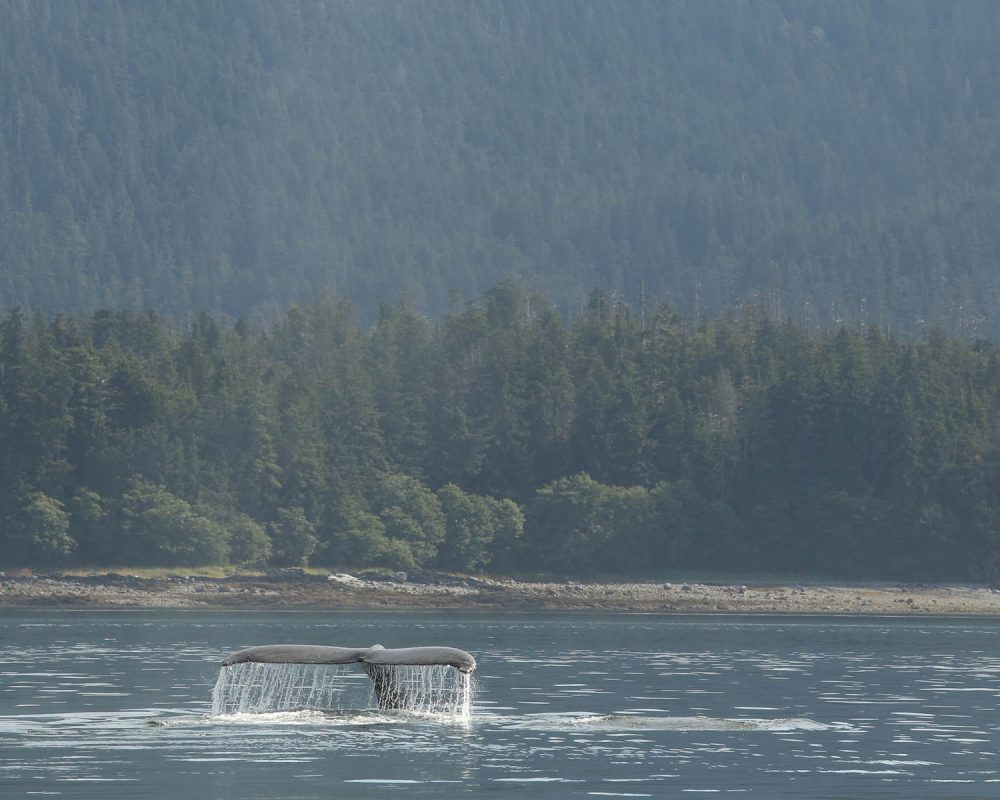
(376, 654)
(378, 662)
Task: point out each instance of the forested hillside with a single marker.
(833, 160)
(499, 438)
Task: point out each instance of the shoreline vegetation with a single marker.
(500, 440)
(290, 590)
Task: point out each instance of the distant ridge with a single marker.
(834, 161)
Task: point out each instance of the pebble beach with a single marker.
(293, 590)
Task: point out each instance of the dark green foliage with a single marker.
(832, 159)
(293, 538)
(248, 542)
(573, 521)
(411, 518)
(508, 530)
(500, 439)
(359, 536)
(159, 528)
(39, 534)
(479, 531)
(89, 528)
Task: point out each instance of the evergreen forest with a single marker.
(501, 437)
(836, 161)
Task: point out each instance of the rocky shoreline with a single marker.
(294, 589)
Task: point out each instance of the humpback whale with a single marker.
(377, 661)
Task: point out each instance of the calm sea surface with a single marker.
(117, 704)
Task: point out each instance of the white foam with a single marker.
(612, 722)
(253, 689)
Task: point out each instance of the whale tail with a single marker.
(377, 661)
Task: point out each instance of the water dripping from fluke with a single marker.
(425, 681)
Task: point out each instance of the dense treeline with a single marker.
(499, 438)
(836, 156)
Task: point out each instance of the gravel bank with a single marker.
(293, 590)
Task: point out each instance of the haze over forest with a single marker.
(571, 287)
(837, 161)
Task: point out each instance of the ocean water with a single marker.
(118, 704)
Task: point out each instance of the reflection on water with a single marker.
(568, 706)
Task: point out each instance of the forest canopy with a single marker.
(834, 159)
(499, 438)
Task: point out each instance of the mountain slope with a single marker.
(834, 160)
